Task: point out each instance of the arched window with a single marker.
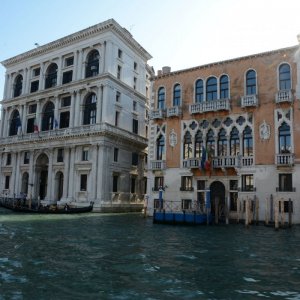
(48, 117)
(211, 89)
(198, 144)
(15, 123)
(51, 76)
(199, 91)
(92, 64)
(89, 112)
(284, 77)
(177, 95)
(160, 148)
(161, 98)
(234, 142)
(222, 143)
(247, 142)
(210, 142)
(18, 86)
(284, 138)
(187, 146)
(224, 87)
(251, 82)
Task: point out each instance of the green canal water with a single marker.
(102, 256)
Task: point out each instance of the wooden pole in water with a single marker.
(290, 212)
(267, 212)
(257, 210)
(271, 208)
(282, 213)
(238, 206)
(276, 214)
(247, 212)
(226, 211)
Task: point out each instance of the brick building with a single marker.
(231, 128)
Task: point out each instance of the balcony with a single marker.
(207, 106)
(157, 114)
(174, 111)
(284, 96)
(232, 161)
(285, 159)
(249, 101)
(158, 165)
(191, 163)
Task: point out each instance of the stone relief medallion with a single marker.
(173, 138)
(264, 131)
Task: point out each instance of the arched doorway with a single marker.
(59, 185)
(217, 198)
(24, 187)
(42, 163)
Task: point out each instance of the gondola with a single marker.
(53, 209)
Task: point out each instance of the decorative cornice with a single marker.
(110, 24)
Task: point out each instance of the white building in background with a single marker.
(74, 116)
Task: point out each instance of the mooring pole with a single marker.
(290, 212)
(276, 214)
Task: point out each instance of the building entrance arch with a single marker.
(42, 164)
(217, 198)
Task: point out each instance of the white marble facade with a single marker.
(74, 114)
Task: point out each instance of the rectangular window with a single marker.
(115, 183)
(186, 183)
(34, 86)
(186, 204)
(85, 154)
(158, 183)
(26, 158)
(135, 126)
(135, 159)
(134, 82)
(135, 66)
(64, 119)
(69, 61)
(6, 186)
(36, 72)
(83, 182)
(156, 204)
(132, 184)
(30, 125)
(247, 183)
(117, 116)
(67, 77)
(8, 159)
(285, 206)
(120, 53)
(200, 185)
(119, 72)
(285, 183)
(66, 101)
(60, 155)
(116, 154)
(32, 109)
(118, 97)
(134, 105)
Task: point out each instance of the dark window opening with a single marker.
(64, 119)
(251, 82)
(51, 76)
(69, 61)
(133, 184)
(158, 183)
(199, 91)
(285, 183)
(186, 183)
(116, 154)
(115, 183)
(18, 86)
(161, 98)
(48, 117)
(6, 186)
(34, 86)
(60, 155)
(26, 158)
(89, 113)
(66, 101)
(67, 77)
(135, 126)
(32, 109)
(135, 159)
(92, 65)
(83, 182)
(30, 125)
(15, 123)
(8, 159)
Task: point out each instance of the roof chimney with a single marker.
(166, 70)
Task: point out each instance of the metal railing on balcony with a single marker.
(284, 96)
(158, 165)
(225, 162)
(157, 114)
(174, 111)
(285, 159)
(249, 101)
(207, 106)
(192, 163)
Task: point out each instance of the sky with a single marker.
(177, 33)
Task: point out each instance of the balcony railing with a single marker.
(174, 111)
(207, 106)
(249, 101)
(284, 96)
(157, 114)
(158, 165)
(286, 159)
(191, 163)
(247, 161)
(232, 161)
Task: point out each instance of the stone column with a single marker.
(77, 105)
(102, 65)
(71, 192)
(75, 67)
(3, 112)
(104, 113)
(80, 65)
(59, 71)
(72, 110)
(6, 123)
(66, 173)
(42, 77)
(24, 114)
(38, 115)
(56, 104)
(28, 77)
(14, 172)
(31, 175)
(99, 105)
(7, 77)
(50, 188)
(94, 174)
(108, 58)
(17, 170)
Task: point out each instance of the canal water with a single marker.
(124, 256)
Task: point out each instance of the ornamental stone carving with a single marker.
(264, 131)
(173, 138)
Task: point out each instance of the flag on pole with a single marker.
(203, 158)
(55, 124)
(19, 125)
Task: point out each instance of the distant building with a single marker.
(230, 128)
(74, 116)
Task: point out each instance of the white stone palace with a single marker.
(74, 120)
